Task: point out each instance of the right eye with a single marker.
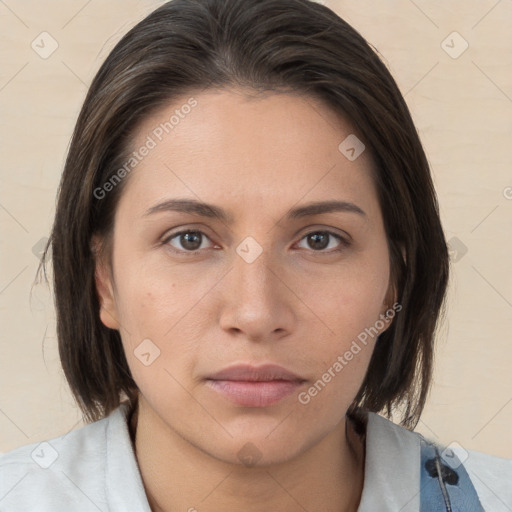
(190, 241)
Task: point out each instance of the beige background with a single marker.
(462, 107)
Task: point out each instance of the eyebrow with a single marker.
(195, 207)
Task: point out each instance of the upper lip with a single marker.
(264, 373)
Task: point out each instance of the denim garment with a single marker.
(444, 482)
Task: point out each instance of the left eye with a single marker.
(319, 240)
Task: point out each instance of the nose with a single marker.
(257, 301)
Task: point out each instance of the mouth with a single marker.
(254, 386)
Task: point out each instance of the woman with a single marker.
(248, 265)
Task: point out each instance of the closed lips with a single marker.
(251, 386)
(249, 373)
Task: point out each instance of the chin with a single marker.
(260, 448)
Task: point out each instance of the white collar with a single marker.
(122, 466)
(390, 450)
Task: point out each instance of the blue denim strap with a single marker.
(445, 485)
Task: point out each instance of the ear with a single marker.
(391, 294)
(104, 287)
(391, 298)
(387, 309)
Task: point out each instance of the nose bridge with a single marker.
(255, 300)
(253, 270)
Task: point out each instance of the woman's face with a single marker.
(258, 280)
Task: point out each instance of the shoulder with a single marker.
(491, 477)
(63, 473)
(393, 449)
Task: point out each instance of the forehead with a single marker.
(222, 144)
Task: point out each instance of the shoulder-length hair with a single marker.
(184, 47)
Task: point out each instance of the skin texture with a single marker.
(295, 305)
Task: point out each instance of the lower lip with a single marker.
(254, 394)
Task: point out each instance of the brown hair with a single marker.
(187, 46)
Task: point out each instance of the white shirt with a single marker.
(94, 468)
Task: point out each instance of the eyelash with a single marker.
(344, 243)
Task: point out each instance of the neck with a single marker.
(329, 476)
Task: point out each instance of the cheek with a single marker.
(159, 340)
(341, 360)
(152, 295)
(350, 298)
(340, 370)
(157, 301)
(348, 303)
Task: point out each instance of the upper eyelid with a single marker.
(307, 229)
